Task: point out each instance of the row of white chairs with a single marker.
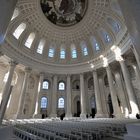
(89, 129)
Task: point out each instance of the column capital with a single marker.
(13, 63)
(28, 69)
(41, 73)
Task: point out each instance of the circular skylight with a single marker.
(64, 12)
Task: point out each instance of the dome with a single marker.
(58, 39)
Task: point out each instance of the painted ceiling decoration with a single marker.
(64, 12)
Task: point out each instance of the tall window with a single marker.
(15, 14)
(45, 84)
(44, 102)
(61, 86)
(94, 44)
(30, 40)
(107, 38)
(61, 103)
(19, 30)
(41, 46)
(62, 53)
(84, 48)
(73, 51)
(51, 52)
(115, 25)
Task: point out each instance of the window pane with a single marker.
(45, 85)
(44, 102)
(62, 54)
(30, 40)
(51, 52)
(61, 103)
(41, 46)
(61, 86)
(15, 14)
(19, 30)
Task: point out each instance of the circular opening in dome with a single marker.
(64, 12)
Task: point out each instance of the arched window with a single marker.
(51, 52)
(41, 46)
(30, 40)
(107, 38)
(61, 86)
(62, 53)
(19, 30)
(61, 103)
(73, 51)
(115, 25)
(44, 102)
(45, 84)
(94, 44)
(15, 14)
(84, 48)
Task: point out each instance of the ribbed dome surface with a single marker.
(32, 34)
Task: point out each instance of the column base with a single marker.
(37, 116)
(100, 116)
(83, 116)
(132, 116)
(53, 115)
(118, 116)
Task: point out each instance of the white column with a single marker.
(6, 91)
(104, 96)
(54, 97)
(136, 56)
(6, 11)
(117, 112)
(37, 106)
(122, 94)
(82, 97)
(97, 95)
(68, 110)
(20, 112)
(130, 90)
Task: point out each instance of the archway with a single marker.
(110, 106)
(93, 107)
(77, 107)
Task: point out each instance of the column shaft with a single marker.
(82, 97)
(6, 12)
(122, 94)
(130, 90)
(20, 112)
(68, 113)
(54, 98)
(104, 96)
(6, 91)
(113, 92)
(37, 106)
(97, 95)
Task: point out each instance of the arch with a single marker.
(76, 85)
(61, 102)
(94, 43)
(77, 106)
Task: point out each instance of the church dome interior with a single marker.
(77, 60)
